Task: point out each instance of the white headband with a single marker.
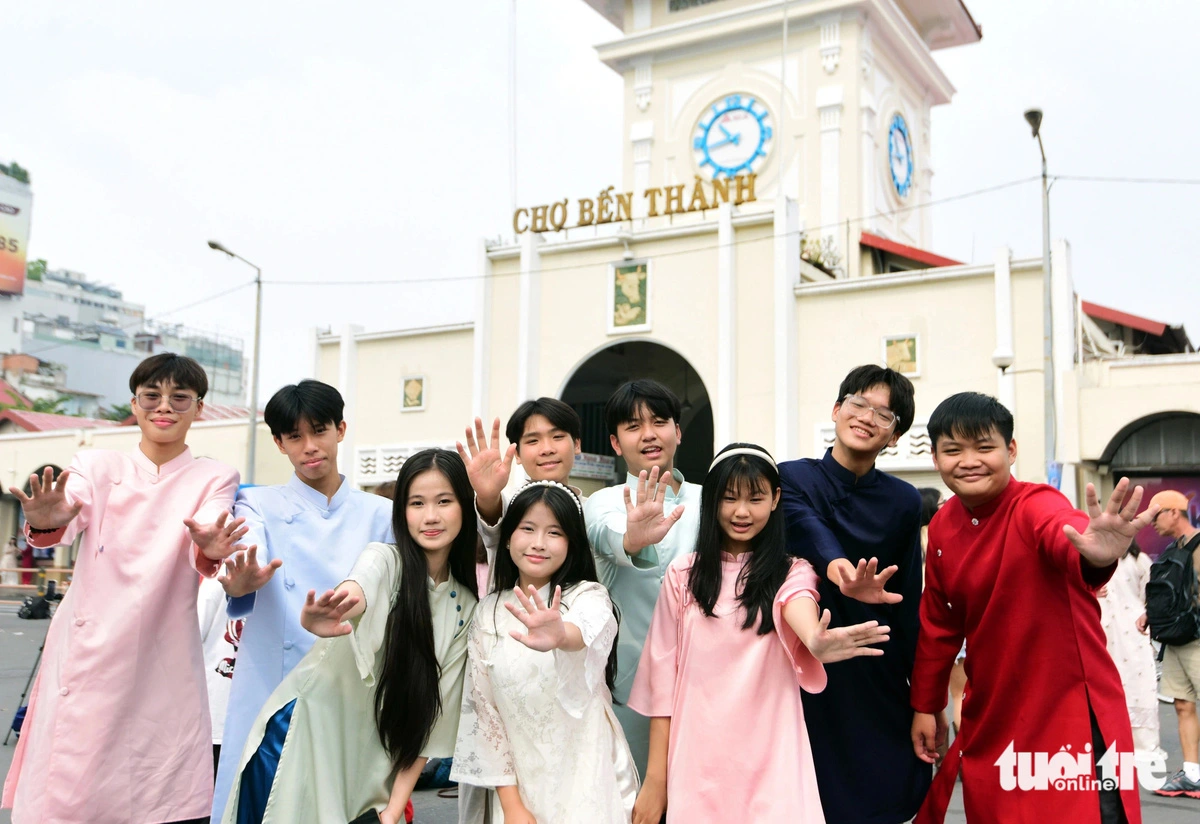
(563, 487)
(742, 450)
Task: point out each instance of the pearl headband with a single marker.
(742, 450)
(556, 484)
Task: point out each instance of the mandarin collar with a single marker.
(316, 498)
(174, 465)
(740, 558)
(451, 583)
(631, 481)
(989, 508)
(845, 475)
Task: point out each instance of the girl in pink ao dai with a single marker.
(735, 629)
(537, 720)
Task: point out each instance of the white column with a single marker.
(829, 107)
(725, 410)
(529, 317)
(641, 14)
(482, 334)
(866, 118)
(643, 83)
(1062, 294)
(348, 386)
(641, 135)
(315, 352)
(1003, 354)
(787, 275)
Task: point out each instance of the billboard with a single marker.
(16, 202)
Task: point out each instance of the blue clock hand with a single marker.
(725, 132)
(721, 143)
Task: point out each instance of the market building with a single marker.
(767, 235)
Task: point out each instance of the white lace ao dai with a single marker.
(544, 720)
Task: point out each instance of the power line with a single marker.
(1163, 181)
(693, 250)
(158, 317)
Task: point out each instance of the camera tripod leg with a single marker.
(24, 692)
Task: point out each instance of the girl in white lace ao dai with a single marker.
(537, 721)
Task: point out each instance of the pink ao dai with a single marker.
(738, 749)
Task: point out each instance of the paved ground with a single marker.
(19, 642)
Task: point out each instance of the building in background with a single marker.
(753, 296)
(87, 339)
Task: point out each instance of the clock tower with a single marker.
(826, 101)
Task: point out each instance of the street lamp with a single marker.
(251, 439)
(1034, 118)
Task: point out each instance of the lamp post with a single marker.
(1034, 118)
(250, 436)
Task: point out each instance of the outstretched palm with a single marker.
(219, 539)
(47, 506)
(324, 617)
(1112, 529)
(487, 468)
(545, 623)
(829, 645)
(864, 583)
(244, 575)
(645, 523)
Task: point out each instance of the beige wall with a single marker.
(754, 380)
(444, 358)
(1114, 394)
(502, 337)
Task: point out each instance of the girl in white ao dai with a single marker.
(537, 721)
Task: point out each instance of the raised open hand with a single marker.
(487, 468)
(545, 623)
(243, 574)
(325, 616)
(219, 539)
(645, 523)
(829, 645)
(47, 507)
(1113, 528)
(864, 583)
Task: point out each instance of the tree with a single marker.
(117, 413)
(51, 405)
(35, 269)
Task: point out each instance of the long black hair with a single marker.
(576, 567)
(407, 701)
(763, 575)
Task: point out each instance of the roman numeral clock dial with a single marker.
(732, 137)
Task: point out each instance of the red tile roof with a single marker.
(1120, 318)
(48, 422)
(9, 396)
(906, 252)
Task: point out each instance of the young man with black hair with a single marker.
(861, 530)
(310, 531)
(118, 724)
(543, 436)
(638, 528)
(1013, 568)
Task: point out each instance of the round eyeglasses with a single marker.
(884, 418)
(179, 401)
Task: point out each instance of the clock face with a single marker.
(732, 137)
(900, 157)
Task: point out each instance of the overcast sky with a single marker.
(369, 141)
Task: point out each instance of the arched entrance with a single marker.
(1159, 452)
(596, 378)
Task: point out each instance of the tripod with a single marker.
(21, 703)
